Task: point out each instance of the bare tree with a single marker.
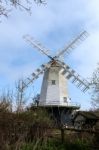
(7, 6)
(6, 101)
(20, 96)
(95, 87)
(36, 99)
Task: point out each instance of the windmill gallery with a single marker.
(54, 91)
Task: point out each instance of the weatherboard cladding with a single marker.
(53, 94)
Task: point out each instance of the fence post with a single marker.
(62, 135)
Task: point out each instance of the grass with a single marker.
(53, 144)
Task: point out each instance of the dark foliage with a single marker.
(21, 127)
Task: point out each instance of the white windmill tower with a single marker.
(54, 90)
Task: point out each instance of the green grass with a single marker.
(53, 144)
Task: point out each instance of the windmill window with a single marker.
(53, 82)
(65, 99)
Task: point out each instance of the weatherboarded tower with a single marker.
(54, 90)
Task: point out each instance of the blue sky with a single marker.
(54, 25)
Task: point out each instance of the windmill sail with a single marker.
(67, 49)
(75, 78)
(36, 44)
(25, 83)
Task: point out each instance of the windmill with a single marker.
(54, 90)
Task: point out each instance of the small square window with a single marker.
(53, 82)
(65, 99)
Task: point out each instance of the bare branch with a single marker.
(4, 11)
(4, 5)
(95, 87)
